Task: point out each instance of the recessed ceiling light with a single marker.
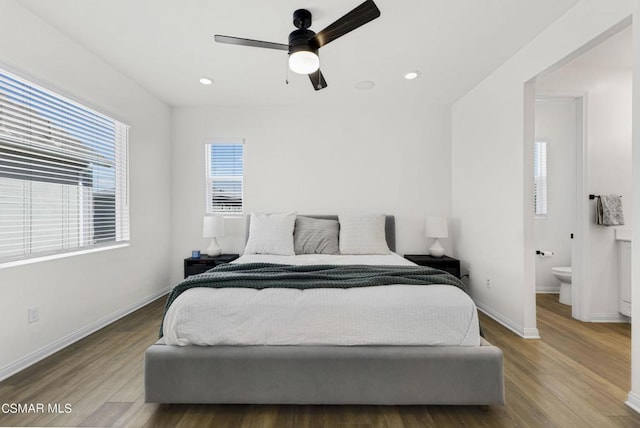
(412, 75)
(365, 85)
(206, 81)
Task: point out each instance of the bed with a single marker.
(244, 363)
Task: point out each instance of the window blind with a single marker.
(63, 173)
(225, 171)
(540, 177)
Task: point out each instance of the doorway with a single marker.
(558, 144)
(595, 90)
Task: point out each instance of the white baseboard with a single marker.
(42, 353)
(633, 401)
(526, 333)
(609, 317)
(552, 290)
(531, 333)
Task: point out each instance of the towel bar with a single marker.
(596, 196)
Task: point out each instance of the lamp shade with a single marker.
(213, 226)
(436, 227)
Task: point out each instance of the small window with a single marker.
(63, 174)
(540, 178)
(225, 171)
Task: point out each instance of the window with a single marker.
(63, 174)
(540, 178)
(225, 170)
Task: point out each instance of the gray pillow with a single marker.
(316, 236)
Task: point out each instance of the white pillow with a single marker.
(363, 234)
(271, 234)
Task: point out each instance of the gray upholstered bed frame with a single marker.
(325, 374)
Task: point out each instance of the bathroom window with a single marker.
(540, 178)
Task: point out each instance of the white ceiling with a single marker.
(167, 45)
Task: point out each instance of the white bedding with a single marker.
(435, 315)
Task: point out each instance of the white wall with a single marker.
(608, 150)
(76, 293)
(380, 157)
(491, 118)
(633, 399)
(491, 168)
(555, 123)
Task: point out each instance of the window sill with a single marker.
(44, 258)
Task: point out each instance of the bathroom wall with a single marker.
(608, 93)
(555, 120)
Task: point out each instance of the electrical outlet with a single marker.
(469, 270)
(488, 283)
(34, 314)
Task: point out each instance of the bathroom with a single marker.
(583, 147)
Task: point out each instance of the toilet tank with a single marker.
(624, 276)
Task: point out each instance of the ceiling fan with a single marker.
(304, 44)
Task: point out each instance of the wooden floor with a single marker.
(578, 375)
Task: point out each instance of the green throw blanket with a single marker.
(270, 275)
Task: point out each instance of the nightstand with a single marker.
(445, 263)
(204, 263)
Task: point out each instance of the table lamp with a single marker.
(436, 227)
(213, 227)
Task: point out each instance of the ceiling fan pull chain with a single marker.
(287, 74)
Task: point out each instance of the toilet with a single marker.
(563, 273)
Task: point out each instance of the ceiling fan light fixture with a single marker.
(206, 81)
(304, 43)
(304, 62)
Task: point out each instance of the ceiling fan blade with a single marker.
(317, 80)
(250, 42)
(367, 11)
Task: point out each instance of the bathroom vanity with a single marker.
(623, 242)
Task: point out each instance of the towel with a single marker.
(609, 210)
